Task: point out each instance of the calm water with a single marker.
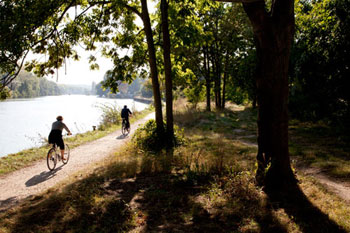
(24, 122)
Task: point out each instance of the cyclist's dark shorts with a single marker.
(126, 119)
(55, 137)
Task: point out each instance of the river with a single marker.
(25, 122)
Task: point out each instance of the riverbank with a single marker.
(13, 162)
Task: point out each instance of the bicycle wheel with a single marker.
(124, 130)
(128, 130)
(51, 159)
(66, 154)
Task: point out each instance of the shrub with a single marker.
(148, 138)
(110, 115)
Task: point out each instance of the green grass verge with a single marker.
(205, 185)
(27, 157)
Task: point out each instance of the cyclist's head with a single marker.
(125, 106)
(59, 118)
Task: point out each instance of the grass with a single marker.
(27, 157)
(320, 146)
(206, 185)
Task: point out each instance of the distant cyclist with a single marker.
(125, 115)
(55, 136)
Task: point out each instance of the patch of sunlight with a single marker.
(98, 199)
(249, 225)
(327, 202)
(70, 214)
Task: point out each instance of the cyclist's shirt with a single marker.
(125, 113)
(59, 125)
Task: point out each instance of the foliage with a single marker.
(146, 90)
(4, 92)
(110, 115)
(195, 94)
(320, 62)
(125, 89)
(27, 85)
(211, 41)
(148, 138)
(75, 89)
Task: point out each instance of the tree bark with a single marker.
(167, 68)
(224, 80)
(274, 34)
(207, 78)
(153, 67)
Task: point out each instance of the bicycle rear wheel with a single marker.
(128, 130)
(66, 154)
(124, 130)
(51, 159)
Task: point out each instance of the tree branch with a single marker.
(133, 9)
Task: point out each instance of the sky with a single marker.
(78, 72)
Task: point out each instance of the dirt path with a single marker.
(37, 178)
(340, 188)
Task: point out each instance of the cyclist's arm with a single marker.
(66, 128)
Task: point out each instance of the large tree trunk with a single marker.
(153, 67)
(167, 67)
(274, 34)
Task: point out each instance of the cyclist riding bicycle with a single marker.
(125, 115)
(55, 136)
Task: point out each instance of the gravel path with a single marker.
(37, 178)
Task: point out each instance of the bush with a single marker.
(110, 115)
(147, 138)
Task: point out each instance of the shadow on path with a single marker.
(45, 175)
(122, 137)
(5, 204)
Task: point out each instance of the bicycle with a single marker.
(54, 155)
(125, 129)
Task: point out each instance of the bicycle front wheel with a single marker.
(66, 154)
(51, 159)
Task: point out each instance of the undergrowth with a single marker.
(150, 139)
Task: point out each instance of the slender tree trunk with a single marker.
(218, 83)
(274, 34)
(224, 80)
(167, 67)
(207, 78)
(153, 67)
(254, 102)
